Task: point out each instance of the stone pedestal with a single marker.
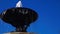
(20, 33)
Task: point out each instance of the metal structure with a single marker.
(19, 17)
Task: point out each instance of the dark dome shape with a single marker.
(19, 16)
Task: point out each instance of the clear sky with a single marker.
(48, 11)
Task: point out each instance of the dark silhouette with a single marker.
(20, 18)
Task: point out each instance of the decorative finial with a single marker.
(19, 4)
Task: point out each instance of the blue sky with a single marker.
(48, 11)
